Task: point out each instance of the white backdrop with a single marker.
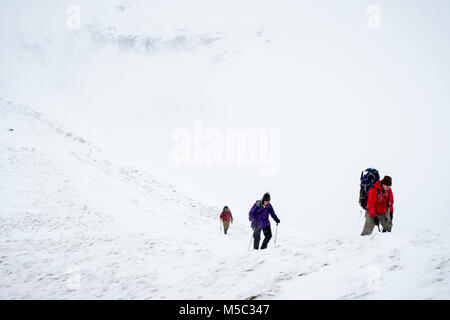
(342, 96)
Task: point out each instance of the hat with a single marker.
(387, 181)
(226, 207)
(266, 197)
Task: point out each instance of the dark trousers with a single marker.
(257, 237)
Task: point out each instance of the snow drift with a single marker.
(75, 224)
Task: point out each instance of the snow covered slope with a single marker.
(77, 224)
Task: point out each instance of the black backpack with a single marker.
(367, 180)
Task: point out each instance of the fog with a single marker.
(342, 96)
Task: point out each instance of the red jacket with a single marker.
(378, 200)
(226, 216)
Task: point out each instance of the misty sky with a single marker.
(343, 97)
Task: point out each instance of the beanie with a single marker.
(387, 181)
(266, 197)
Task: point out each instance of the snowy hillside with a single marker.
(75, 223)
(128, 75)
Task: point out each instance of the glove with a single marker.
(277, 221)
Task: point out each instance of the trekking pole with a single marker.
(359, 217)
(250, 242)
(276, 231)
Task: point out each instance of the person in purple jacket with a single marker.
(259, 216)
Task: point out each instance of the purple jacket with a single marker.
(259, 216)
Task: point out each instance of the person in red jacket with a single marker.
(226, 217)
(380, 206)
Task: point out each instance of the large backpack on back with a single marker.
(367, 180)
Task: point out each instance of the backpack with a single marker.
(367, 180)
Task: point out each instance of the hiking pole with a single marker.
(250, 242)
(359, 217)
(276, 231)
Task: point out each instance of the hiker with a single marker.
(380, 206)
(259, 216)
(226, 217)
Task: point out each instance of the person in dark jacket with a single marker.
(259, 216)
(380, 206)
(226, 217)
